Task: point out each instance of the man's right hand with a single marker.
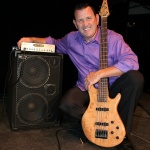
(31, 40)
(25, 39)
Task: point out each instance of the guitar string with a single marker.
(103, 64)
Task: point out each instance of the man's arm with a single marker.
(94, 77)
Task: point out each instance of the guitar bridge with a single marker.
(101, 134)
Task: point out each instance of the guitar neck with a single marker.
(103, 49)
(104, 13)
(103, 83)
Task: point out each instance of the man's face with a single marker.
(86, 22)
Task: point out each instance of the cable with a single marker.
(142, 117)
(8, 81)
(82, 140)
(140, 137)
(59, 147)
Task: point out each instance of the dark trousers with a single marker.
(74, 103)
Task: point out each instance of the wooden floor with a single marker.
(69, 136)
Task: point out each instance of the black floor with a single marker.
(69, 136)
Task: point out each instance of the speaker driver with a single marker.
(34, 72)
(32, 108)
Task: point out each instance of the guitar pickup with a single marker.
(101, 123)
(102, 109)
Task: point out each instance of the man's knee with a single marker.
(136, 77)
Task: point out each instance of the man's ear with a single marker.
(74, 22)
(97, 17)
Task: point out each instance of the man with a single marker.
(83, 48)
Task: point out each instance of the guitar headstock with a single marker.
(104, 11)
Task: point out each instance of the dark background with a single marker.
(54, 17)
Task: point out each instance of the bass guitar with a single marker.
(101, 122)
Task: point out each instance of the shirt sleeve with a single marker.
(123, 58)
(61, 44)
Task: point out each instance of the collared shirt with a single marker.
(86, 56)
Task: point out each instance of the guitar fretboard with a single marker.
(103, 50)
(103, 83)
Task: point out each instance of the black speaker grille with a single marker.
(35, 89)
(34, 72)
(32, 108)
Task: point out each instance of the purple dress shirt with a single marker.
(85, 56)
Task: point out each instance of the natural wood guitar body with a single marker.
(101, 122)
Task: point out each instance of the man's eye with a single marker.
(79, 21)
(89, 18)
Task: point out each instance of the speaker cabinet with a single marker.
(34, 89)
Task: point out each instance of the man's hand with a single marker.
(24, 39)
(91, 79)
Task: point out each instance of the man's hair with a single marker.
(82, 6)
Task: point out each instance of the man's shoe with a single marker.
(126, 145)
